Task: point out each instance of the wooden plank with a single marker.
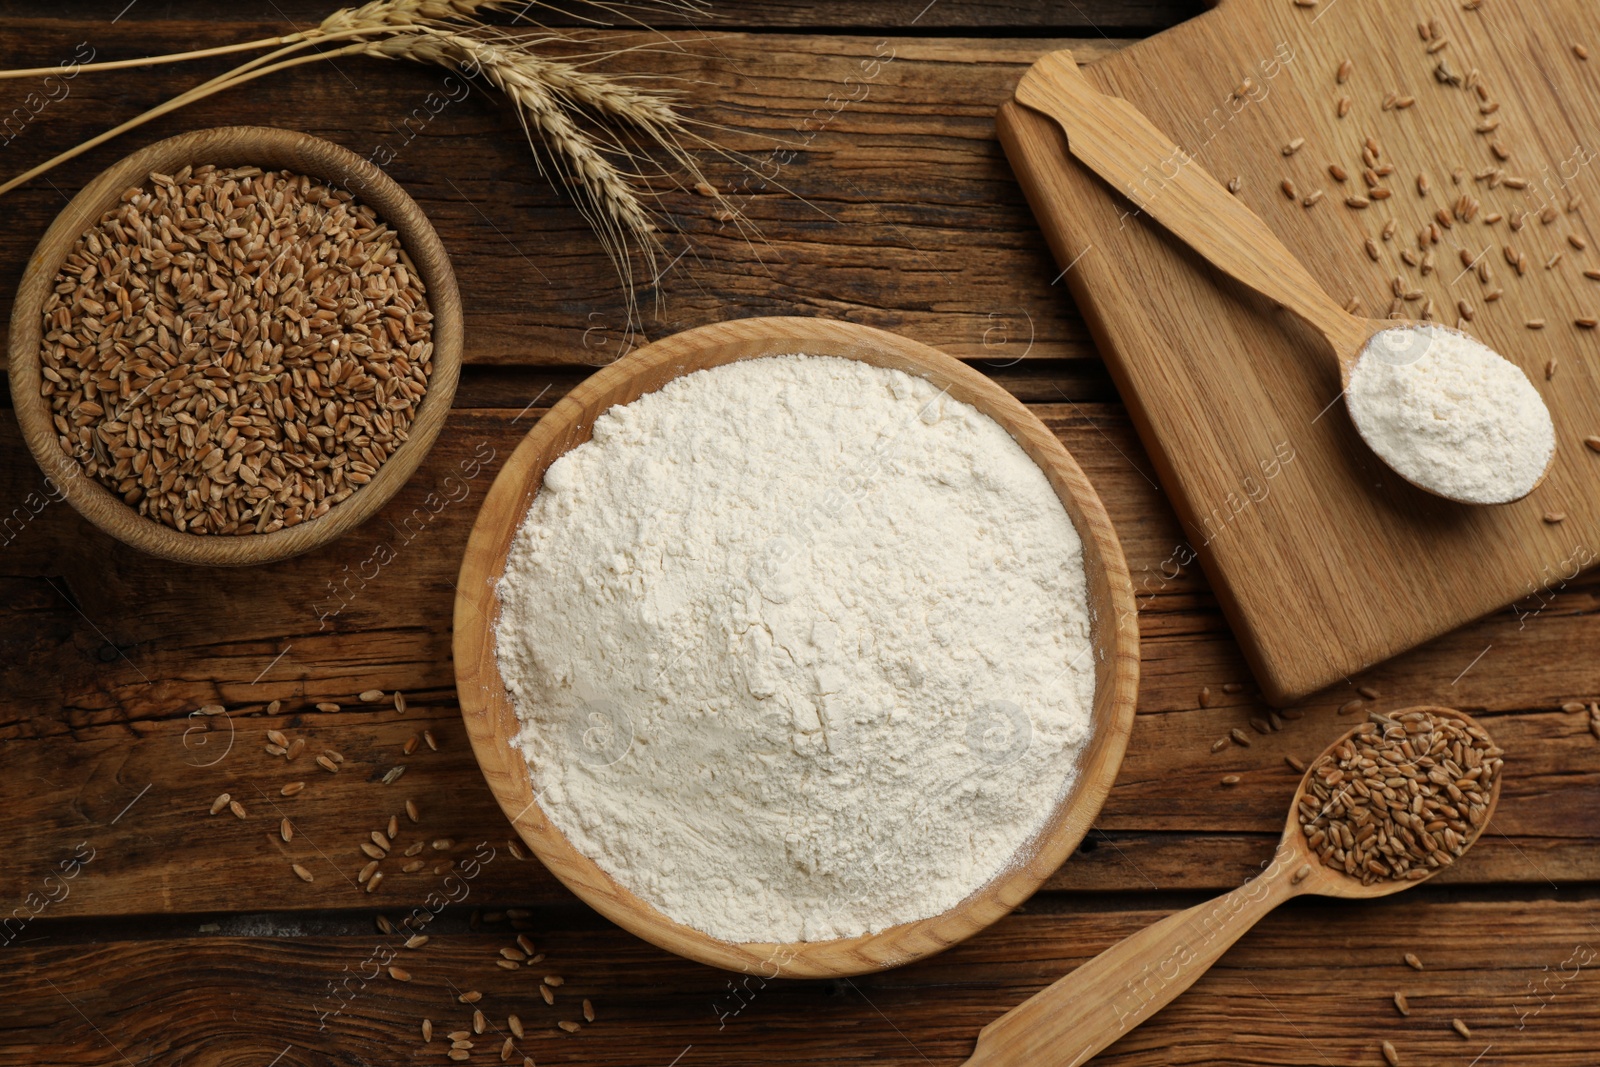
(1312, 984)
(1033, 381)
(1338, 564)
(107, 654)
(868, 165)
(984, 16)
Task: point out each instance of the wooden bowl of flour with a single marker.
(492, 723)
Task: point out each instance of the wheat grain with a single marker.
(237, 411)
(1399, 799)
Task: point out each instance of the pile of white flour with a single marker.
(800, 646)
(1451, 415)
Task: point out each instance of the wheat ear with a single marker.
(606, 195)
(550, 95)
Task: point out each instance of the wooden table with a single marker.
(182, 937)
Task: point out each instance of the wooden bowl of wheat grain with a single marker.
(420, 250)
(491, 719)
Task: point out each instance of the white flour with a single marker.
(800, 647)
(1448, 413)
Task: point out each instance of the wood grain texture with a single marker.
(1331, 564)
(491, 719)
(96, 700)
(1311, 984)
(868, 164)
(233, 146)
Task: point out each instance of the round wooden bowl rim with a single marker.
(227, 146)
(491, 722)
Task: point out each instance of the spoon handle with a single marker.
(1070, 1021)
(1114, 139)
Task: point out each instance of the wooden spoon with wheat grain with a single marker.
(1390, 804)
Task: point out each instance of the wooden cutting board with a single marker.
(1324, 561)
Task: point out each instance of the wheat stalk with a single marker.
(608, 201)
(550, 97)
(573, 117)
